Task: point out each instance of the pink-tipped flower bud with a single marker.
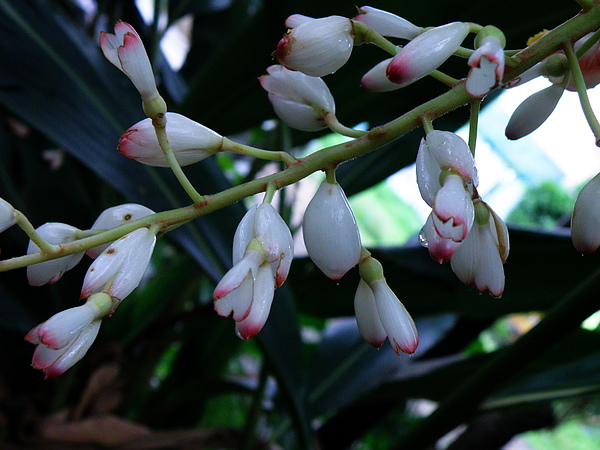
(426, 53)
(190, 141)
(65, 338)
(125, 50)
(330, 231)
(299, 100)
(51, 271)
(453, 211)
(440, 249)
(113, 217)
(387, 24)
(317, 47)
(478, 262)
(376, 80)
(585, 223)
(443, 151)
(487, 63)
(120, 268)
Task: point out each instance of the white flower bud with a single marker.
(317, 47)
(330, 231)
(301, 101)
(387, 24)
(51, 271)
(585, 223)
(113, 217)
(190, 141)
(125, 50)
(8, 215)
(426, 53)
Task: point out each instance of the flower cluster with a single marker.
(461, 228)
(117, 270)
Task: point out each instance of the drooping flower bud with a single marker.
(120, 268)
(113, 217)
(65, 338)
(367, 317)
(453, 211)
(8, 215)
(301, 101)
(125, 50)
(426, 53)
(443, 151)
(391, 315)
(330, 231)
(51, 271)
(533, 112)
(487, 62)
(262, 254)
(478, 262)
(316, 47)
(190, 141)
(440, 249)
(585, 223)
(387, 24)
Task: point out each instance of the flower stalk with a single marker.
(586, 106)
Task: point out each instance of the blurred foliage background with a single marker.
(166, 371)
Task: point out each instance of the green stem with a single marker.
(473, 125)
(334, 125)
(25, 225)
(465, 399)
(585, 4)
(330, 156)
(270, 193)
(161, 134)
(368, 36)
(427, 123)
(330, 175)
(582, 91)
(588, 44)
(446, 79)
(268, 155)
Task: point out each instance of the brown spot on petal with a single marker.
(110, 251)
(127, 217)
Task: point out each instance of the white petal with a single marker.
(317, 47)
(273, 233)
(367, 317)
(238, 301)
(450, 151)
(397, 322)
(8, 215)
(330, 231)
(386, 23)
(135, 264)
(264, 290)
(77, 350)
(441, 250)
(244, 233)
(453, 210)
(51, 271)
(482, 80)
(115, 216)
(62, 328)
(124, 262)
(248, 265)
